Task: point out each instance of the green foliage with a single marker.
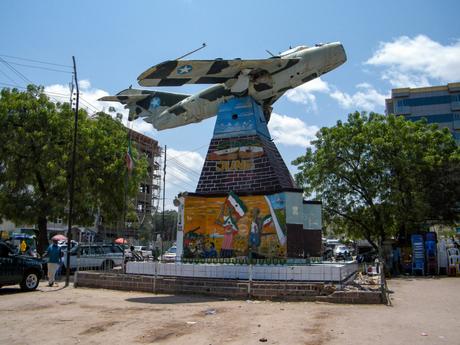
(35, 157)
(170, 225)
(380, 176)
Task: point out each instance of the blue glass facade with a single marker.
(438, 105)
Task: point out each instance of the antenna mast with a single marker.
(193, 51)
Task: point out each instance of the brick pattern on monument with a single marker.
(269, 173)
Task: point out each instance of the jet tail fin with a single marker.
(144, 103)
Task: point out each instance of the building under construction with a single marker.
(147, 198)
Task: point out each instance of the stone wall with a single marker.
(353, 297)
(234, 289)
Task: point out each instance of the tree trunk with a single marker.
(42, 235)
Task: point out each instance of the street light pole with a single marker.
(164, 195)
(72, 175)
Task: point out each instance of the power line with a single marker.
(7, 76)
(87, 103)
(49, 93)
(37, 61)
(22, 76)
(39, 67)
(179, 163)
(181, 179)
(185, 153)
(185, 169)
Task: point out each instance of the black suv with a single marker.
(19, 269)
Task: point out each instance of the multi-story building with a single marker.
(437, 104)
(148, 195)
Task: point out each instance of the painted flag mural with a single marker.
(235, 226)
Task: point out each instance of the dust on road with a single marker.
(90, 316)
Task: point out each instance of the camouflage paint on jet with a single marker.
(265, 80)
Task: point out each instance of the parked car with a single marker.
(19, 269)
(368, 257)
(103, 256)
(144, 250)
(169, 255)
(342, 252)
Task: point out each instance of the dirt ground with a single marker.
(424, 311)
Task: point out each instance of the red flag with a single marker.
(129, 158)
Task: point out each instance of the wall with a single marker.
(336, 273)
(235, 226)
(236, 289)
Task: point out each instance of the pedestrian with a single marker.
(23, 247)
(54, 254)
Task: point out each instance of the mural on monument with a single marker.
(236, 155)
(233, 226)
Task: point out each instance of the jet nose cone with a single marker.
(338, 51)
(332, 55)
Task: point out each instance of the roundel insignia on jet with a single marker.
(155, 103)
(184, 69)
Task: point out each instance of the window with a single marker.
(84, 250)
(144, 188)
(111, 249)
(96, 250)
(438, 118)
(140, 206)
(422, 101)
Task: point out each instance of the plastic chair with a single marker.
(453, 261)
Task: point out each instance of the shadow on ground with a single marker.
(168, 299)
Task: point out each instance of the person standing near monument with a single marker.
(54, 254)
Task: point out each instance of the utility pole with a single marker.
(164, 193)
(72, 175)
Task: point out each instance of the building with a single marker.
(437, 104)
(148, 195)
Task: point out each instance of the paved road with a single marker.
(424, 311)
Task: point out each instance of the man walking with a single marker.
(54, 259)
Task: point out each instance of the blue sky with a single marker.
(389, 44)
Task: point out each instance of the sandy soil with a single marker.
(424, 311)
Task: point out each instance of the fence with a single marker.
(111, 258)
(335, 273)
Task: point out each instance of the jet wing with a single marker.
(134, 95)
(143, 103)
(180, 72)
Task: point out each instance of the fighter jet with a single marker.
(265, 80)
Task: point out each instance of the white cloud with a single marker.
(88, 96)
(291, 131)
(89, 101)
(412, 62)
(305, 93)
(183, 170)
(367, 98)
(185, 166)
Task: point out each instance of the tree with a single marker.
(35, 158)
(168, 232)
(382, 176)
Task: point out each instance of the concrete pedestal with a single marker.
(246, 203)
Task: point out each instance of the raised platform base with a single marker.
(336, 273)
(227, 288)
